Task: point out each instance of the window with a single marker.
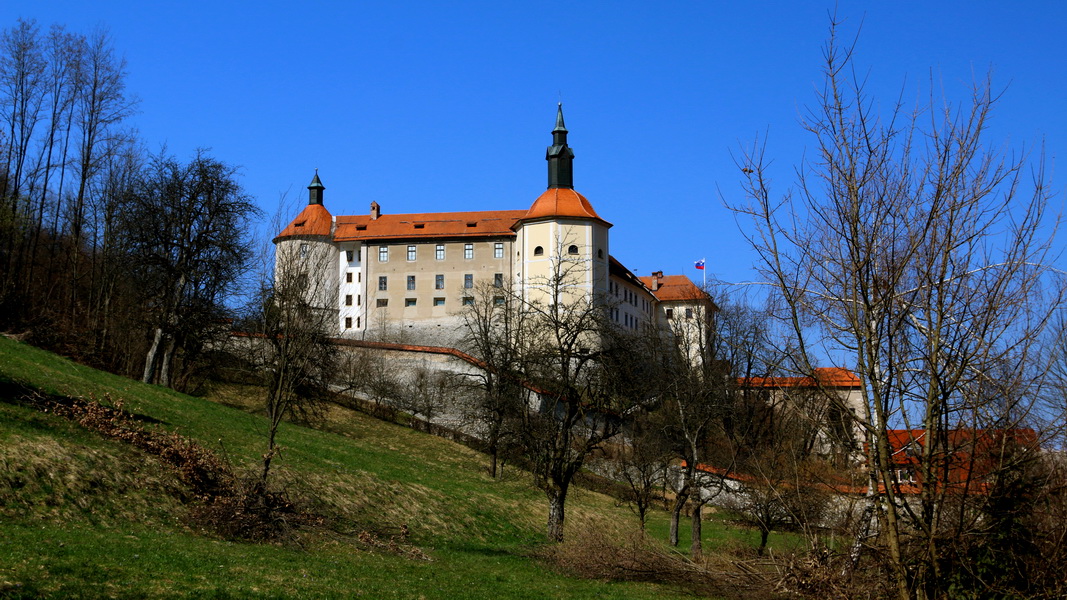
(468, 281)
(439, 253)
(572, 249)
(438, 282)
(498, 250)
(411, 282)
(383, 253)
(348, 277)
(600, 253)
(498, 300)
(302, 281)
(468, 251)
(348, 300)
(382, 302)
(438, 301)
(411, 253)
(383, 283)
(303, 250)
(359, 277)
(359, 300)
(357, 322)
(348, 322)
(349, 255)
(689, 313)
(538, 251)
(468, 301)
(498, 280)
(409, 301)
(670, 313)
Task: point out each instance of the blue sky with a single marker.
(440, 106)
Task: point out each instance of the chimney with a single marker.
(375, 211)
(655, 279)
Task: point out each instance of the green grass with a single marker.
(84, 516)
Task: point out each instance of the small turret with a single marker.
(559, 156)
(315, 189)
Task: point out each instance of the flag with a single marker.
(700, 264)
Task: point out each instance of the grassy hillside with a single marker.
(85, 516)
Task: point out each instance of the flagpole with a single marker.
(704, 272)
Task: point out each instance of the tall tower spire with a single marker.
(559, 156)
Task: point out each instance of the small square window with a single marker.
(348, 322)
(670, 313)
(304, 250)
(349, 255)
(383, 283)
(468, 281)
(383, 253)
(498, 300)
(348, 277)
(438, 301)
(348, 300)
(411, 282)
(439, 252)
(438, 282)
(498, 250)
(411, 253)
(689, 313)
(468, 301)
(382, 302)
(409, 301)
(468, 251)
(498, 280)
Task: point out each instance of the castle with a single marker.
(412, 275)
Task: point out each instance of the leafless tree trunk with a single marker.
(493, 332)
(293, 317)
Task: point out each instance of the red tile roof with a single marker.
(824, 377)
(562, 202)
(675, 288)
(493, 223)
(313, 220)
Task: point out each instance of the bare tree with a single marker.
(426, 394)
(565, 355)
(22, 74)
(919, 254)
(576, 409)
(493, 332)
(291, 323)
(186, 229)
(643, 461)
(777, 492)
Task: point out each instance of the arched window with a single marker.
(538, 251)
(600, 253)
(572, 249)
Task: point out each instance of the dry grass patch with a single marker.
(56, 481)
